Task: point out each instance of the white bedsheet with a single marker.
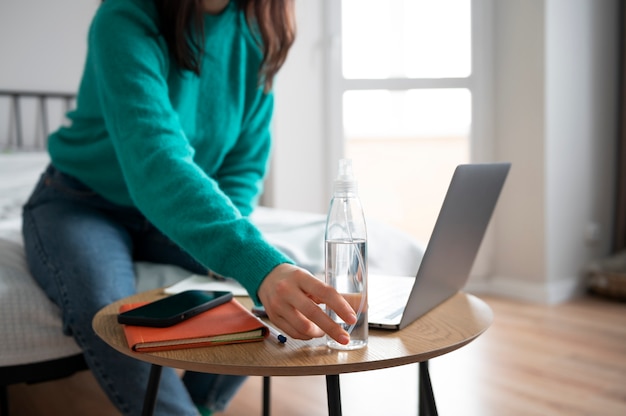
(30, 328)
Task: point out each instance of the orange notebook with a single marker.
(229, 323)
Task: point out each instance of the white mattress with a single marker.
(30, 329)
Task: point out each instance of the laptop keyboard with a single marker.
(388, 296)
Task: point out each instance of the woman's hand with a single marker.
(291, 296)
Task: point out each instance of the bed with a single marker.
(33, 347)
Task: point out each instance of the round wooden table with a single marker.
(449, 326)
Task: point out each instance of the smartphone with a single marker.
(174, 308)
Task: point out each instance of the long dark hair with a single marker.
(182, 25)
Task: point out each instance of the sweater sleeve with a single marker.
(241, 174)
(156, 159)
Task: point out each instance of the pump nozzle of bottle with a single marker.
(345, 181)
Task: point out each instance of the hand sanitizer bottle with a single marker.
(346, 254)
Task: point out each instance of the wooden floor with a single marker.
(568, 359)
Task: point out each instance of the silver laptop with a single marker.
(397, 301)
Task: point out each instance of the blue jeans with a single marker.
(81, 248)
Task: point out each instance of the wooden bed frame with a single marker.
(15, 137)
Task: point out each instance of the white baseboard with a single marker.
(548, 292)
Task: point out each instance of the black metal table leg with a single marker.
(266, 396)
(149, 401)
(427, 406)
(4, 401)
(334, 395)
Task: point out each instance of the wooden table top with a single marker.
(446, 328)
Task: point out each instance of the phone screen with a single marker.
(174, 308)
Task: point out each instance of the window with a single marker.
(403, 93)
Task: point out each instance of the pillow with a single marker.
(300, 235)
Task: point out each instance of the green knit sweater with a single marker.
(189, 152)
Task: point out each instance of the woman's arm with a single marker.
(130, 62)
(244, 168)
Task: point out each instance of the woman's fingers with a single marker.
(291, 296)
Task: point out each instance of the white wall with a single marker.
(581, 97)
(298, 177)
(518, 134)
(43, 43)
(556, 120)
(554, 92)
(42, 48)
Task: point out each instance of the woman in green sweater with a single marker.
(163, 161)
